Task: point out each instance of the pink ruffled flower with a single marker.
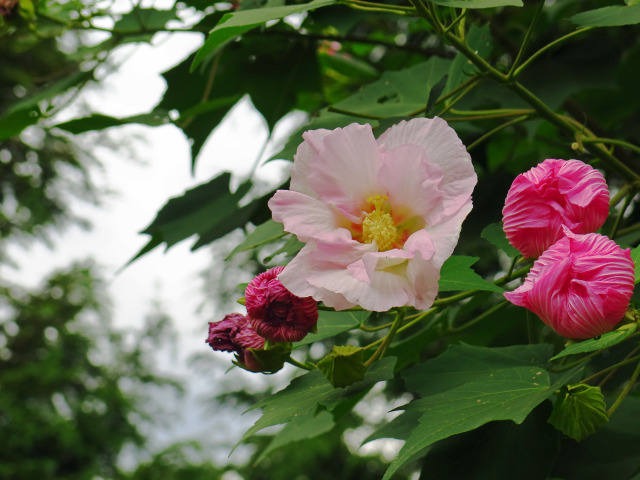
(580, 287)
(379, 217)
(553, 194)
(275, 313)
(234, 334)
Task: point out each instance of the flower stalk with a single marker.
(379, 353)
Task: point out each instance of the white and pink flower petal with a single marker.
(311, 145)
(410, 182)
(307, 217)
(344, 172)
(442, 147)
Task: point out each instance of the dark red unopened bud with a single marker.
(234, 334)
(277, 314)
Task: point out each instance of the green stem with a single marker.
(547, 47)
(331, 309)
(470, 293)
(628, 359)
(476, 59)
(480, 317)
(570, 128)
(462, 94)
(612, 141)
(511, 275)
(455, 21)
(622, 193)
(417, 319)
(538, 105)
(473, 118)
(304, 366)
(356, 114)
(625, 205)
(365, 328)
(455, 298)
(426, 14)
(577, 362)
(511, 267)
(624, 392)
(525, 42)
(507, 112)
(460, 87)
(379, 7)
(496, 130)
(630, 229)
(387, 339)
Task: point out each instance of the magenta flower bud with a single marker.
(277, 314)
(580, 287)
(234, 334)
(553, 194)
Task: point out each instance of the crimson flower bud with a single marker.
(580, 287)
(6, 6)
(554, 194)
(275, 313)
(234, 334)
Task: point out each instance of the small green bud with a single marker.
(344, 366)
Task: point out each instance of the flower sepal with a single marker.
(344, 366)
(271, 358)
(579, 411)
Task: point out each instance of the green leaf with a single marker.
(205, 208)
(479, 40)
(300, 428)
(343, 366)
(206, 107)
(612, 16)
(100, 122)
(494, 234)
(478, 3)
(635, 256)
(331, 324)
(604, 341)
(52, 90)
(27, 9)
(290, 248)
(457, 274)
(397, 93)
(500, 392)
(15, 122)
(461, 364)
(144, 20)
(579, 411)
(268, 232)
(497, 451)
(233, 24)
(305, 393)
(612, 453)
(274, 72)
(345, 64)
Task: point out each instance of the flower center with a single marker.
(379, 226)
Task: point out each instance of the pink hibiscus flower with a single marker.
(581, 286)
(550, 195)
(379, 217)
